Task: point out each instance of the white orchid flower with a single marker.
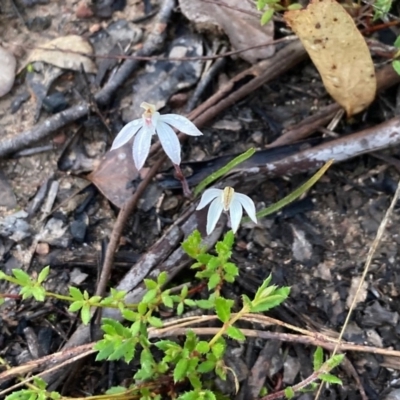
(224, 200)
(153, 123)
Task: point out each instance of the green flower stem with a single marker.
(237, 316)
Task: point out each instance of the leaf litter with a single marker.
(339, 52)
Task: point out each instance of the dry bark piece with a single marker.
(339, 52)
(7, 71)
(63, 53)
(238, 19)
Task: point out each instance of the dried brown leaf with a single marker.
(339, 52)
(65, 56)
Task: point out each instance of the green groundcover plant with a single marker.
(174, 368)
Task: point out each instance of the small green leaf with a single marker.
(397, 42)
(396, 66)
(75, 293)
(223, 308)
(214, 280)
(335, 361)
(202, 347)
(267, 16)
(156, 322)
(295, 6)
(43, 274)
(167, 300)
(75, 306)
(180, 369)
(189, 302)
(205, 304)
(206, 366)
(318, 358)
(222, 171)
(39, 293)
(218, 350)
(289, 393)
(149, 296)
(22, 277)
(329, 378)
(116, 390)
(162, 278)
(85, 314)
(235, 333)
(179, 309)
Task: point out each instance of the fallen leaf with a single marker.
(115, 175)
(239, 20)
(7, 71)
(339, 52)
(66, 54)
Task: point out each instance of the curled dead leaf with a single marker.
(63, 53)
(339, 52)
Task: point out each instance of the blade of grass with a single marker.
(294, 195)
(222, 171)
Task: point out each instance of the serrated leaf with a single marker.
(223, 308)
(125, 351)
(335, 361)
(104, 350)
(231, 269)
(75, 293)
(195, 381)
(202, 347)
(214, 280)
(179, 309)
(43, 274)
(218, 350)
(75, 306)
(180, 369)
(329, 378)
(235, 333)
(318, 358)
(206, 366)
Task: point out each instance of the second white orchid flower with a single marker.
(224, 200)
(150, 124)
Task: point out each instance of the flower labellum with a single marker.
(224, 200)
(153, 123)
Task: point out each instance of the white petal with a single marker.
(126, 133)
(141, 147)
(248, 205)
(169, 142)
(181, 123)
(214, 212)
(208, 196)
(235, 212)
